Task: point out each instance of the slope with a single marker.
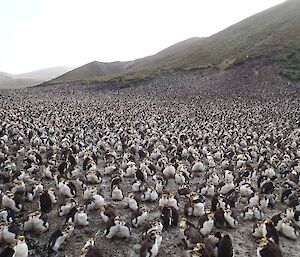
(273, 34)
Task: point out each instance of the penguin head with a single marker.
(183, 223)
(21, 238)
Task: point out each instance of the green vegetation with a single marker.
(273, 35)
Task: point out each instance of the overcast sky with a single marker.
(36, 34)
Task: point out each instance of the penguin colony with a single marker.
(150, 171)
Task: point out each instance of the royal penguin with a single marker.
(150, 194)
(117, 193)
(116, 227)
(107, 212)
(132, 201)
(195, 206)
(225, 247)
(267, 248)
(169, 170)
(191, 235)
(9, 233)
(289, 229)
(67, 188)
(93, 176)
(65, 209)
(230, 218)
(139, 216)
(78, 216)
(21, 247)
(150, 246)
(151, 226)
(12, 201)
(59, 236)
(268, 230)
(90, 249)
(138, 186)
(206, 223)
(7, 215)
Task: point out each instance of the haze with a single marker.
(43, 33)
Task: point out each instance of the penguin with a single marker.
(138, 186)
(81, 217)
(141, 174)
(93, 176)
(184, 190)
(150, 246)
(191, 235)
(267, 248)
(96, 202)
(21, 247)
(10, 232)
(150, 194)
(139, 216)
(169, 170)
(269, 231)
(7, 215)
(151, 226)
(45, 202)
(289, 230)
(131, 200)
(8, 251)
(206, 223)
(225, 247)
(117, 194)
(90, 250)
(257, 229)
(169, 216)
(59, 236)
(89, 191)
(195, 205)
(10, 200)
(116, 227)
(219, 218)
(230, 218)
(107, 212)
(65, 209)
(199, 250)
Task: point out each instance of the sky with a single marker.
(36, 34)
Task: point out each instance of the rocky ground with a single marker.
(214, 108)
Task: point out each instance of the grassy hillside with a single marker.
(273, 34)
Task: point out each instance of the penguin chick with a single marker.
(107, 212)
(90, 250)
(190, 233)
(45, 202)
(268, 248)
(225, 247)
(169, 216)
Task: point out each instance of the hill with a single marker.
(31, 78)
(273, 34)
